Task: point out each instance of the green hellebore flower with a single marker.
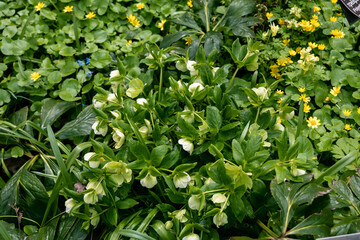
(181, 180)
(148, 181)
(220, 219)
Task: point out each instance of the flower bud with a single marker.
(111, 97)
(261, 92)
(99, 129)
(114, 73)
(190, 66)
(119, 138)
(194, 202)
(180, 215)
(191, 236)
(141, 101)
(69, 204)
(169, 225)
(196, 87)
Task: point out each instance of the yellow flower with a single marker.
(292, 52)
(286, 42)
(347, 127)
(39, 6)
(335, 91)
(269, 15)
(316, 9)
(307, 108)
(312, 45)
(346, 112)
(68, 9)
(315, 17)
(333, 1)
(278, 120)
(161, 24)
(132, 19)
(274, 29)
(288, 60)
(301, 89)
(281, 62)
(321, 46)
(298, 49)
(90, 15)
(35, 76)
(327, 99)
(358, 110)
(280, 100)
(129, 42)
(338, 14)
(337, 33)
(188, 40)
(278, 91)
(140, 6)
(333, 19)
(281, 22)
(304, 98)
(189, 3)
(313, 122)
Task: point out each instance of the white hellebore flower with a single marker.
(114, 73)
(98, 104)
(261, 92)
(111, 97)
(93, 163)
(191, 236)
(194, 202)
(69, 204)
(190, 66)
(99, 130)
(299, 172)
(186, 145)
(195, 86)
(220, 198)
(141, 101)
(180, 215)
(149, 181)
(92, 196)
(181, 180)
(220, 219)
(181, 66)
(119, 138)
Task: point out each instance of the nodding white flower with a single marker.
(141, 101)
(98, 104)
(119, 138)
(69, 204)
(181, 66)
(119, 172)
(180, 215)
(187, 145)
(195, 86)
(99, 130)
(190, 66)
(189, 116)
(181, 180)
(191, 236)
(97, 190)
(93, 163)
(114, 73)
(111, 97)
(194, 202)
(115, 113)
(218, 198)
(220, 219)
(261, 92)
(279, 127)
(148, 181)
(97, 186)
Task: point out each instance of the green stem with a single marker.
(266, 229)
(231, 80)
(257, 114)
(160, 84)
(3, 164)
(207, 17)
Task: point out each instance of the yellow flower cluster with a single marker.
(304, 98)
(129, 42)
(286, 42)
(335, 91)
(133, 21)
(310, 26)
(90, 15)
(307, 108)
(140, 6)
(283, 62)
(68, 9)
(269, 15)
(337, 33)
(35, 76)
(189, 3)
(275, 71)
(188, 40)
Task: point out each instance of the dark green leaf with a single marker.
(52, 110)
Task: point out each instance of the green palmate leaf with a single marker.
(315, 225)
(188, 21)
(158, 154)
(213, 118)
(52, 110)
(345, 193)
(126, 204)
(291, 195)
(80, 126)
(171, 38)
(25, 191)
(344, 146)
(213, 40)
(355, 185)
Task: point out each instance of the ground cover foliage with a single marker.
(178, 120)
